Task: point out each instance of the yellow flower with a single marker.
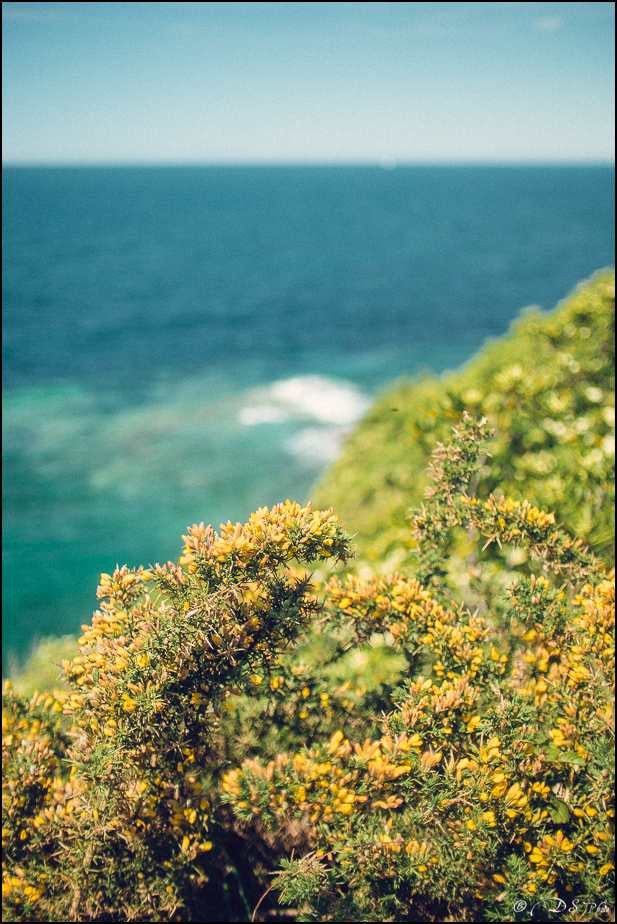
(129, 704)
(536, 856)
(501, 784)
(335, 740)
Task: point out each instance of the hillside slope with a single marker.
(548, 390)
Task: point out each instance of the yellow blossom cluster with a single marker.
(34, 792)
(456, 640)
(564, 667)
(342, 783)
(269, 537)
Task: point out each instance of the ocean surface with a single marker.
(189, 343)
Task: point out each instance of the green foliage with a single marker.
(233, 740)
(547, 389)
(40, 670)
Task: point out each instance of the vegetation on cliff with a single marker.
(547, 389)
(216, 751)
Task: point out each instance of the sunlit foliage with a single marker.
(548, 391)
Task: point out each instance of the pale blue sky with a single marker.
(307, 82)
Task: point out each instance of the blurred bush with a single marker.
(548, 390)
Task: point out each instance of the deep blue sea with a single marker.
(189, 343)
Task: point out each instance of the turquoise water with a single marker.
(186, 344)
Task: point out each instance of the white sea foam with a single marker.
(308, 396)
(261, 413)
(317, 445)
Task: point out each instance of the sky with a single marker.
(156, 83)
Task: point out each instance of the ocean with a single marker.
(189, 343)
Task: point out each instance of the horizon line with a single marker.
(385, 163)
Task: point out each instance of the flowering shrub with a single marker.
(120, 822)
(200, 748)
(489, 788)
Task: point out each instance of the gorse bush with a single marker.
(199, 750)
(121, 821)
(489, 790)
